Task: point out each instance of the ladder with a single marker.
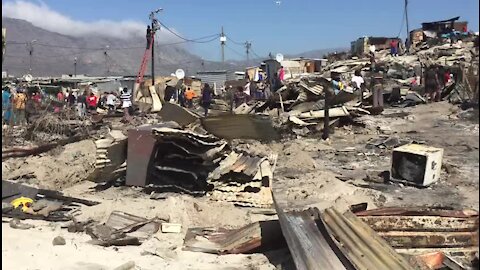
(145, 58)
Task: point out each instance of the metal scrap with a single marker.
(423, 230)
(309, 242)
(363, 247)
(241, 126)
(248, 239)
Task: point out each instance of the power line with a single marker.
(197, 40)
(235, 42)
(403, 21)
(240, 54)
(255, 54)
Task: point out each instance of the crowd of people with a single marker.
(18, 103)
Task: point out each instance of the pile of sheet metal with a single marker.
(243, 179)
(195, 163)
(183, 159)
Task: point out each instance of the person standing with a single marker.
(149, 36)
(281, 74)
(60, 101)
(189, 96)
(111, 100)
(207, 96)
(394, 47)
(82, 105)
(431, 83)
(6, 105)
(126, 98)
(20, 101)
(71, 99)
(378, 93)
(371, 55)
(92, 102)
(357, 80)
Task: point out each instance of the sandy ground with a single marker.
(309, 173)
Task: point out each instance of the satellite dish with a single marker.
(28, 77)
(180, 74)
(279, 57)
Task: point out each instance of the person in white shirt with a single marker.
(357, 80)
(126, 98)
(111, 100)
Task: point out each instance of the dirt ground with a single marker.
(309, 173)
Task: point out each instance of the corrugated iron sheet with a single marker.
(243, 179)
(309, 242)
(362, 246)
(241, 126)
(314, 88)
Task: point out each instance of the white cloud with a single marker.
(40, 15)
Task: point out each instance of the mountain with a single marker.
(53, 54)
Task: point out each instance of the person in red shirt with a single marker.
(446, 77)
(92, 101)
(394, 47)
(60, 99)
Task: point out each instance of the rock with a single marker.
(59, 241)
(16, 224)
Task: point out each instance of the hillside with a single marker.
(123, 56)
(54, 53)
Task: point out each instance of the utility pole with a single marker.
(248, 45)
(106, 60)
(75, 67)
(30, 52)
(406, 19)
(223, 39)
(154, 26)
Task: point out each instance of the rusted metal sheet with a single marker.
(430, 239)
(139, 153)
(418, 211)
(309, 242)
(415, 231)
(362, 246)
(241, 126)
(455, 251)
(421, 223)
(257, 236)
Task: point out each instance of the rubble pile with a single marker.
(186, 156)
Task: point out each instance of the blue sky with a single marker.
(293, 26)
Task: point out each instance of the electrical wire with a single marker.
(235, 42)
(255, 54)
(197, 40)
(234, 51)
(403, 21)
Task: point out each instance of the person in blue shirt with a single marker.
(6, 105)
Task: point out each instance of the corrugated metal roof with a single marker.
(363, 247)
(309, 242)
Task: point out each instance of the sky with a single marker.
(285, 26)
